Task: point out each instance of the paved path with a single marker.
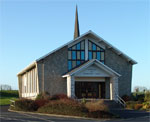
(6, 116)
(126, 114)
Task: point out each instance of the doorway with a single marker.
(90, 90)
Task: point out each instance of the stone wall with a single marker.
(50, 71)
(121, 66)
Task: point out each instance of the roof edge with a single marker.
(111, 46)
(91, 32)
(90, 63)
(63, 46)
(27, 68)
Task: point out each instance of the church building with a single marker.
(86, 67)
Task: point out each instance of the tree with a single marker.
(5, 87)
(147, 96)
(138, 89)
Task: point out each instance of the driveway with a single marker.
(6, 116)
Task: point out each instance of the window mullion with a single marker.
(86, 49)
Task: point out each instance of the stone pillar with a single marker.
(116, 87)
(70, 86)
(20, 85)
(37, 80)
(113, 88)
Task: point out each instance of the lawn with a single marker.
(7, 95)
(6, 100)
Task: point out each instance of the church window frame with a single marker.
(95, 52)
(76, 55)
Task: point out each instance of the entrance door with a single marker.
(90, 89)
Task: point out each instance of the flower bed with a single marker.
(61, 104)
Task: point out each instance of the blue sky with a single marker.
(30, 29)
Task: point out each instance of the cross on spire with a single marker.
(76, 29)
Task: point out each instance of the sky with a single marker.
(30, 29)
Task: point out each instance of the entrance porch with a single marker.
(92, 80)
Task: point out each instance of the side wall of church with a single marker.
(50, 71)
(121, 66)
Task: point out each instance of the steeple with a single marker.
(76, 29)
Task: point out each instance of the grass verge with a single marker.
(6, 100)
(7, 95)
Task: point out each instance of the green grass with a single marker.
(7, 95)
(6, 100)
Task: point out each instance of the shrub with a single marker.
(83, 101)
(29, 105)
(64, 107)
(59, 96)
(146, 106)
(43, 95)
(134, 97)
(126, 98)
(130, 104)
(39, 103)
(138, 106)
(147, 96)
(24, 105)
(138, 96)
(9, 93)
(97, 106)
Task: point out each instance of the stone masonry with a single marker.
(50, 71)
(121, 66)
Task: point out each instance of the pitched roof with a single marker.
(89, 63)
(83, 35)
(100, 40)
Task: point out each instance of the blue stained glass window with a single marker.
(74, 64)
(69, 65)
(90, 55)
(78, 62)
(73, 54)
(93, 46)
(76, 55)
(82, 45)
(98, 56)
(78, 46)
(82, 55)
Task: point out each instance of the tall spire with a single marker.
(76, 29)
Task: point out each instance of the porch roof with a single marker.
(89, 63)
